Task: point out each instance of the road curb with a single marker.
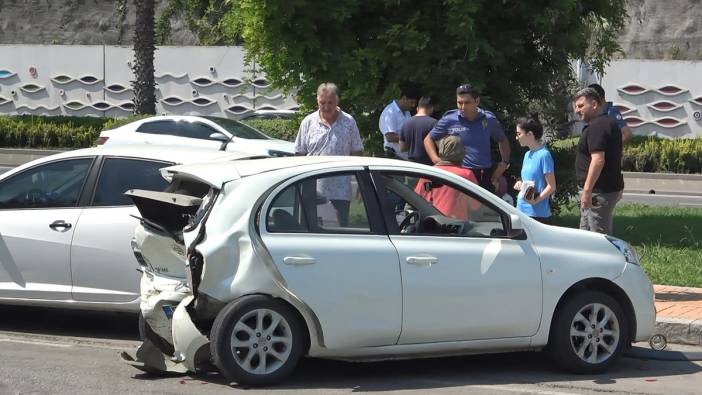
(663, 183)
(680, 331)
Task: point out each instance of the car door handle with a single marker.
(422, 260)
(60, 224)
(299, 260)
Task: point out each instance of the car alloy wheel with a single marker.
(588, 332)
(594, 333)
(261, 341)
(257, 340)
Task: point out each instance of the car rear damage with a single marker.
(171, 339)
(181, 293)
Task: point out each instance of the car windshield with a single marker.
(239, 129)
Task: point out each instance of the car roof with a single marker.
(176, 154)
(188, 118)
(221, 172)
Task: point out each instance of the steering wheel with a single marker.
(411, 215)
(34, 196)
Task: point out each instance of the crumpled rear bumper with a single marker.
(173, 343)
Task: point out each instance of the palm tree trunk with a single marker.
(143, 67)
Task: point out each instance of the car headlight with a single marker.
(626, 250)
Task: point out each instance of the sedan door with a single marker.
(328, 242)
(462, 278)
(38, 215)
(102, 262)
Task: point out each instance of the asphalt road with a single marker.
(66, 352)
(694, 201)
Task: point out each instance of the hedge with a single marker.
(644, 154)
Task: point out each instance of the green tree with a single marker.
(514, 51)
(205, 18)
(143, 67)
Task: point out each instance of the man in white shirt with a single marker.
(330, 131)
(391, 120)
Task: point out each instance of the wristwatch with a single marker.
(506, 163)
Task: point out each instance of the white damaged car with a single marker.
(253, 274)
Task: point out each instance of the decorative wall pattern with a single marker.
(96, 81)
(661, 98)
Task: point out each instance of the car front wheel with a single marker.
(588, 333)
(257, 340)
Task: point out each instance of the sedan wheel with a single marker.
(261, 341)
(257, 340)
(594, 333)
(588, 333)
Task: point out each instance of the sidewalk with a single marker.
(679, 314)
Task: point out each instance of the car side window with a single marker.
(55, 184)
(196, 130)
(434, 206)
(160, 127)
(325, 204)
(119, 175)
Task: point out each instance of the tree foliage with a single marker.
(514, 51)
(205, 18)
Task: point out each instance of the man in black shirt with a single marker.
(415, 130)
(598, 163)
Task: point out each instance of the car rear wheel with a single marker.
(257, 340)
(588, 333)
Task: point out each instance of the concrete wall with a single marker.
(95, 80)
(657, 97)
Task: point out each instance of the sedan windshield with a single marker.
(238, 129)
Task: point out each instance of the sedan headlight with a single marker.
(626, 250)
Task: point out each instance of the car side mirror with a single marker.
(516, 228)
(515, 222)
(218, 136)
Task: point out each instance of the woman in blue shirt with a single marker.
(538, 181)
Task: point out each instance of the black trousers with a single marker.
(342, 211)
(483, 176)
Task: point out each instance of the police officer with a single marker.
(476, 127)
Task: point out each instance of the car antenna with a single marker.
(223, 147)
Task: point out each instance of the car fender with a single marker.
(568, 257)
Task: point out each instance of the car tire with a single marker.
(257, 340)
(588, 333)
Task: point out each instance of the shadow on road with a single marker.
(424, 374)
(77, 323)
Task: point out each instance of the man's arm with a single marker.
(300, 143)
(403, 146)
(430, 147)
(356, 142)
(597, 162)
(392, 137)
(505, 151)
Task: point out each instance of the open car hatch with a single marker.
(165, 211)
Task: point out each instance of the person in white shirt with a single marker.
(330, 131)
(391, 120)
